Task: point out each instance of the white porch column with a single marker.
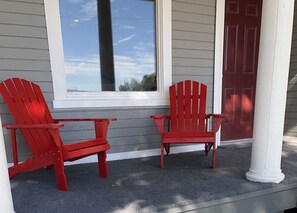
(272, 80)
(6, 204)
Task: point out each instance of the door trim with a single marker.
(218, 60)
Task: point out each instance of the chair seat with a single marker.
(84, 148)
(188, 134)
(188, 137)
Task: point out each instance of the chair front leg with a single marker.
(101, 128)
(58, 160)
(214, 158)
(162, 156)
(60, 171)
(214, 154)
(102, 164)
(206, 149)
(14, 147)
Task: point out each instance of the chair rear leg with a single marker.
(60, 172)
(167, 148)
(162, 157)
(206, 149)
(214, 157)
(50, 167)
(102, 164)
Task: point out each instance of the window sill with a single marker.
(109, 103)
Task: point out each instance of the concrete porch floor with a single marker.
(187, 184)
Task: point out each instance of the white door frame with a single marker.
(218, 61)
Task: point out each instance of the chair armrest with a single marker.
(33, 126)
(159, 121)
(101, 124)
(217, 120)
(52, 129)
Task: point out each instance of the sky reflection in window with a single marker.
(133, 26)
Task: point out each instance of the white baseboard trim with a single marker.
(290, 139)
(138, 154)
(239, 141)
(135, 154)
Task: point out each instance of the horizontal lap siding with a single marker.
(291, 108)
(193, 36)
(133, 131)
(24, 53)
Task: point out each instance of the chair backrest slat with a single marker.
(17, 114)
(43, 106)
(187, 106)
(195, 108)
(188, 102)
(173, 113)
(28, 108)
(181, 109)
(202, 106)
(22, 117)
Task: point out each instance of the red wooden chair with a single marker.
(32, 116)
(188, 121)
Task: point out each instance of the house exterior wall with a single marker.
(193, 36)
(290, 128)
(24, 53)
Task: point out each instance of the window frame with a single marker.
(62, 99)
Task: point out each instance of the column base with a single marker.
(265, 177)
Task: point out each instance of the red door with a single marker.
(241, 45)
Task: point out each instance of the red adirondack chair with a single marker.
(41, 132)
(188, 121)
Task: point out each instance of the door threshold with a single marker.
(246, 142)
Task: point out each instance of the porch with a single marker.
(187, 184)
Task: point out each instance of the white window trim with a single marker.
(62, 99)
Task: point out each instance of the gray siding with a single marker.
(290, 128)
(193, 36)
(24, 53)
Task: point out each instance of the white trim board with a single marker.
(150, 152)
(135, 154)
(138, 154)
(5, 188)
(218, 66)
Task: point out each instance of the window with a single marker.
(109, 53)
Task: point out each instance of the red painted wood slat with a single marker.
(30, 106)
(202, 107)
(180, 106)
(15, 103)
(188, 105)
(173, 113)
(42, 102)
(195, 97)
